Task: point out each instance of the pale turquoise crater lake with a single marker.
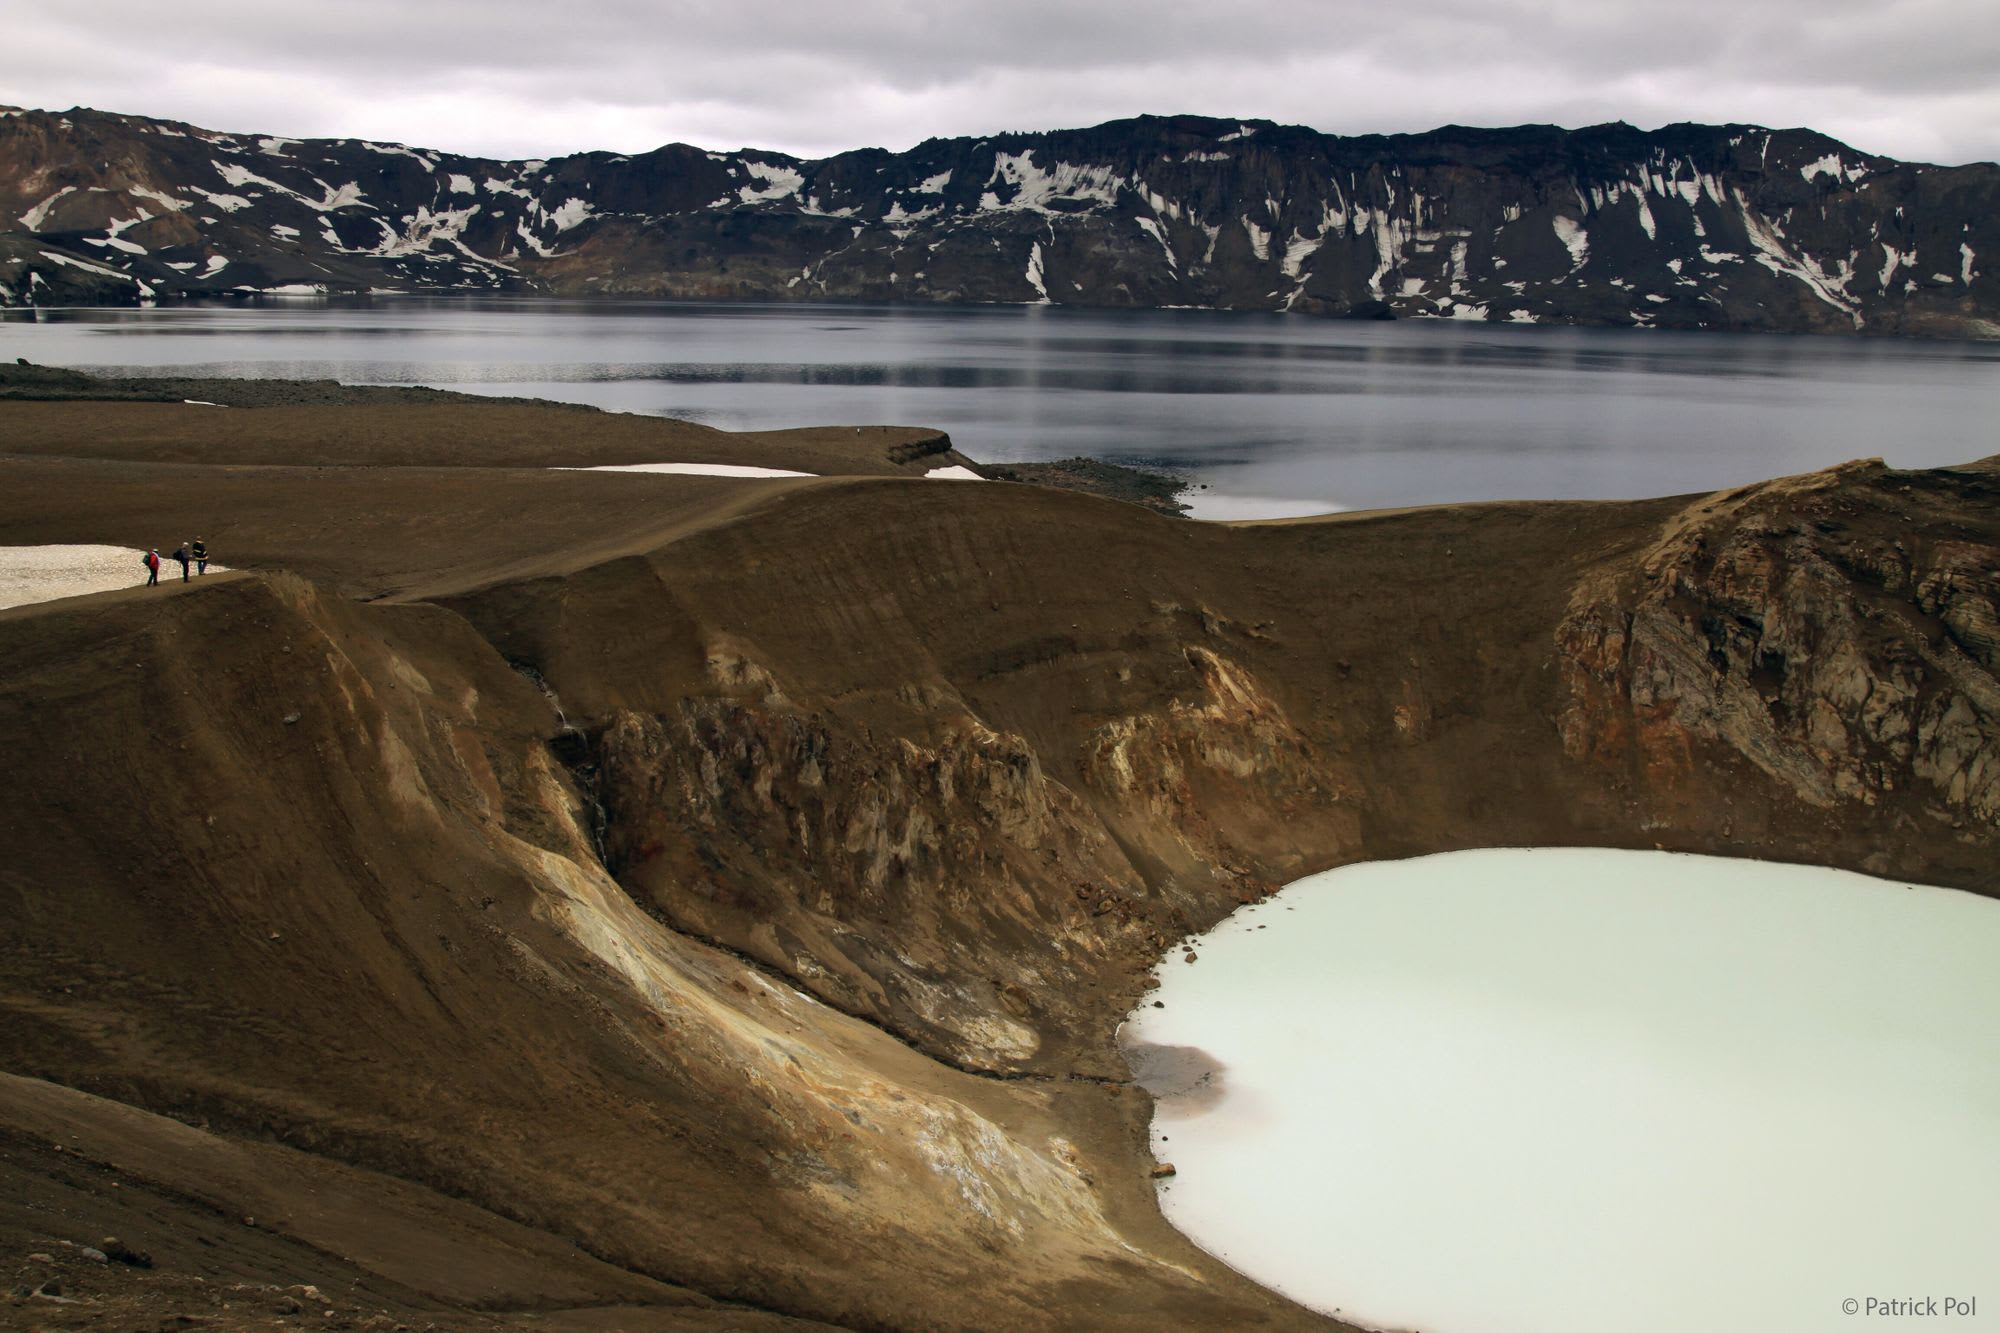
(1565, 1091)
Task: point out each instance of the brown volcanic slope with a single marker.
(781, 980)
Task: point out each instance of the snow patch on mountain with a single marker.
(71, 261)
(1035, 187)
(398, 150)
(332, 197)
(570, 213)
(228, 203)
(775, 182)
(36, 216)
(1260, 240)
(1892, 258)
(425, 229)
(1575, 239)
(1774, 255)
(1299, 249)
(1153, 229)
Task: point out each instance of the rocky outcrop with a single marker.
(862, 866)
(1837, 631)
(1689, 226)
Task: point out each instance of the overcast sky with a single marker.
(1915, 79)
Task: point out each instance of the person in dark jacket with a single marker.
(200, 553)
(152, 562)
(181, 554)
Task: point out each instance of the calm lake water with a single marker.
(1273, 414)
(1563, 1091)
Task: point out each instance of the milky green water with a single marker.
(1563, 1090)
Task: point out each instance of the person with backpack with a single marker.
(152, 562)
(181, 554)
(200, 553)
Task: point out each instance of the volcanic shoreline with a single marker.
(562, 899)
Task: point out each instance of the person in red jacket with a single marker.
(152, 559)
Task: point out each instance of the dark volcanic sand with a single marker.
(318, 915)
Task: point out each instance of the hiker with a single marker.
(200, 553)
(152, 562)
(181, 554)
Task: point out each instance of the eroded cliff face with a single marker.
(1837, 631)
(943, 881)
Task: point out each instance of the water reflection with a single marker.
(1360, 415)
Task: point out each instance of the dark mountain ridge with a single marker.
(1687, 226)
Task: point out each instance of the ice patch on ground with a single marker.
(956, 472)
(1211, 507)
(693, 469)
(31, 574)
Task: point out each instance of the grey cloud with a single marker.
(1913, 78)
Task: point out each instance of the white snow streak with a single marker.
(777, 183)
(36, 216)
(1035, 272)
(72, 262)
(1035, 186)
(1260, 240)
(694, 469)
(1575, 239)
